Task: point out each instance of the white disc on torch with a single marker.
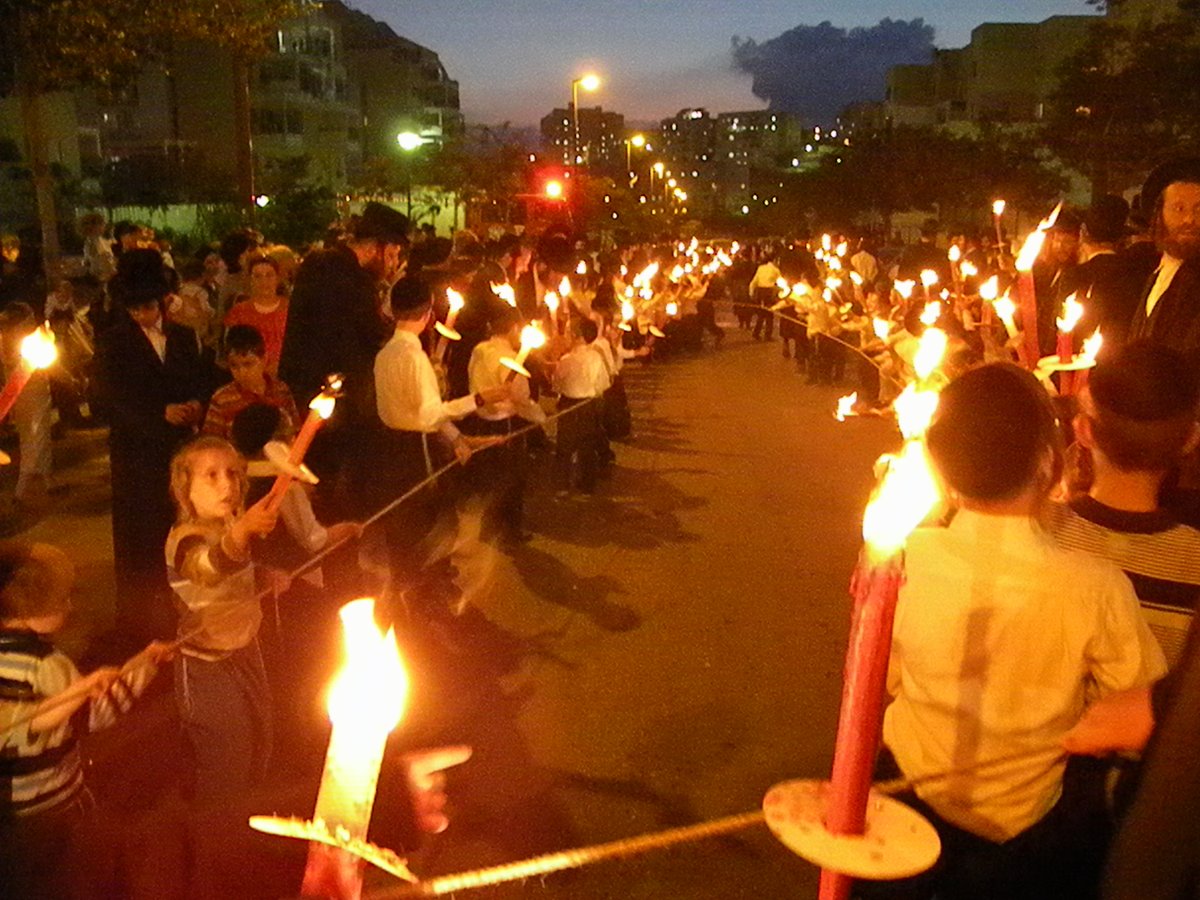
(657, 332)
(447, 332)
(278, 453)
(515, 366)
(1078, 363)
(899, 842)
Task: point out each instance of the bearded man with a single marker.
(1169, 311)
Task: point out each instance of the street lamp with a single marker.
(589, 83)
(409, 141)
(657, 169)
(639, 141)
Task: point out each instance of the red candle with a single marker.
(319, 410)
(1027, 303)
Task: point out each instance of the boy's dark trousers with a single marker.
(499, 473)
(764, 298)
(578, 438)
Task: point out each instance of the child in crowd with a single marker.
(999, 638)
(252, 383)
(579, 377)
(42, 793)
(1137, 422)
(220, 682)
(265, 308)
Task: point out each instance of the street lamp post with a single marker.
(409, 142)
(657, 169)
(639, 141)
(589, 83)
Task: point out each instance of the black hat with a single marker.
(1185, 168)
(1145, 382)
(1105, 221)
(410, 293)
(555, 250)
(141, 278)
(1069, 221)
(383, 224)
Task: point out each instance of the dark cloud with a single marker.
(815, 71)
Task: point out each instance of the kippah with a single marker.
(410, 293)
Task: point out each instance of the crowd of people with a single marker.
(455, 362)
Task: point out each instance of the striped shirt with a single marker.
(231, 399)
(1160, 556)
(42, 771)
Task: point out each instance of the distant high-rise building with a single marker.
(601, 142)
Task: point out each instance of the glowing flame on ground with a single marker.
(1091, 346)
(1032, 247)
(931, 350)
(38, 348)
(369, 692)
(1072, 313)
(932, 312)
(506, 293)
(845, 407)
(905, 497)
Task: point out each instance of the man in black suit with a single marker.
(152, 378)
(1169, 307)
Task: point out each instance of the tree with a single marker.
(52, 45)
(1129, 97)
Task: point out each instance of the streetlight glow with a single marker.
(638, 140)
(409, 140)
(554, 190)
(589, 82)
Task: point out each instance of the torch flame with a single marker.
(842, 249)
(37, 348)
(734, 248)
(998, 208)
(564, 287)
(968, 269)
(627, 311)
(1072, 313)
(955, 253)
(833, 282)
(905, 288)
(532, 337)
(784, 287)
(1032, 248)
(826, 243)
(800, 289)
(932, 312)
(506, 293)
(322, 405)
(1005, 308)
(845, 407)
(642, 278)
(929, 277)
(676, 273)
(581, 269)
(1091, 346)
(904, 498)
(990, 289)
(931, 349)
(551, 301)
(672, 309)
(455, 299)
(369, 693)
(882, 328)
(914, 410)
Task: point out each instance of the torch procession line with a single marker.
(141, 660)
(857, 350)
(659, 840)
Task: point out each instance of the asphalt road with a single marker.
(661, 653)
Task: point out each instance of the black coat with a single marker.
(334, 325)
(1175, 321)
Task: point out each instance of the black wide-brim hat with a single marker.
(141, 278)
(382, 223)
(1185, 168)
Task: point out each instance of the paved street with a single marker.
(664, 651)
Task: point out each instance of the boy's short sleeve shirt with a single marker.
(1000, 638)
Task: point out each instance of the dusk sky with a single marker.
(514, 59)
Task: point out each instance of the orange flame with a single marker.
(1072, 313)
(370, 691)
(845, 407)
(1032, 248)
(38, 349)
(905, 497)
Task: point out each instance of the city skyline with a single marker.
(654, 58)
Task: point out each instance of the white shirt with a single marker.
(604, 348)
(486, 371)
(765, 276)
(580, 374)
(999, 639)
(865, 265)
(406, 389)
(1166, 274)
(157, 338)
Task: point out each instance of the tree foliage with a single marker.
(905, 168)
(1130, 97)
